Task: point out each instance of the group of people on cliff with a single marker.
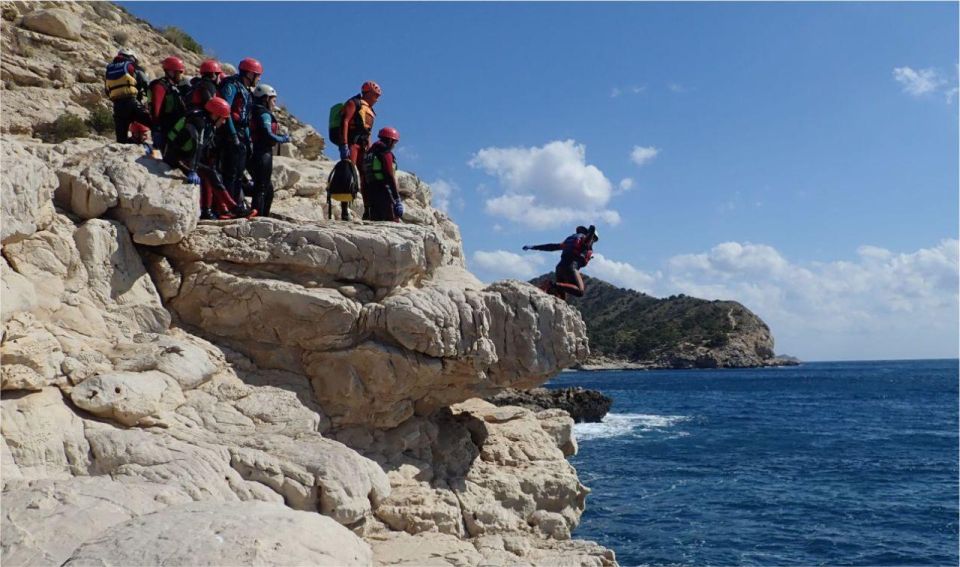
(214, 128)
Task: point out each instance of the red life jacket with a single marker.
(576, 247)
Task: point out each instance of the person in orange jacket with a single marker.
(355, 129)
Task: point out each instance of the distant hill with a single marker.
(629, 328)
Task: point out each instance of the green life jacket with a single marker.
(374, 166)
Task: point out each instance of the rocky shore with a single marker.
(271, 391)
(583, 405)
(600, 363)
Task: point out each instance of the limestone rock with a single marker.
(128, 397)
(154, 203)
(45, 438)
(116, 275)
(45, 521)
(31, 355)
(27, 185)
(54, 21)
(233, 534)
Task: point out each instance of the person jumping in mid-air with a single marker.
(577, 249)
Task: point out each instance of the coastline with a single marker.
(605, 364)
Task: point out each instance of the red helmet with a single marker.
(250, 65)
(389, 133)
(217, 107)
(370, 86)
(210, 66)
(138, 128)
(171, 64)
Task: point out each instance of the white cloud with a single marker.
(547, 186)
(500, 264)
(642, 155)
(443, 191)
(883, 305)
(632, 89)
(918, 83)
(625, 184)
(615, 92)
(621, 274)
(677, 87)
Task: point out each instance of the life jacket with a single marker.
(173, 105)
(576, 247)
(182, 140)
(200, 92)
(374, 165)
(343, 184)
(361, 125)
(242, 103)
(119, 81)
(257, 134)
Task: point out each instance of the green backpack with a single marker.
(334, 130)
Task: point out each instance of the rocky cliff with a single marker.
(273, 391)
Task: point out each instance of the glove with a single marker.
(147, 150)
(285, 139)
(398, 209)
(525, 247)
(193, 178)
(344, 151)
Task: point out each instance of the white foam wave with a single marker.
(617, 424)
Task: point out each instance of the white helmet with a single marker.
(263, 90)
(127, 52)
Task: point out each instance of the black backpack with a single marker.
(343, 184)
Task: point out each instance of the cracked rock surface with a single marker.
(291, 390)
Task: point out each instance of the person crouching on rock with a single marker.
(576, 251)
(264, 134)
(192, 146)
(380, 177)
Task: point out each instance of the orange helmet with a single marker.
(217, 107)
(389, 133)
(370, 86)
(171, 64)
(210, 66)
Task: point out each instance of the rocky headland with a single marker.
(296, 391)
(629, 330)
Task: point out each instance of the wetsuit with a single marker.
(264, 135)
(577, 249)
(166, 107)
(126, 91)
(192, 147)
(234, 155)
(380, 168)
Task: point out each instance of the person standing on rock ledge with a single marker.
(166, 102)
(236, 91)
(205, 86)
(353, 126)
(264, 133)
(577, 249)
(126, 84)
(380, 172)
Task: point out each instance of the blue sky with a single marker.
(799, 158)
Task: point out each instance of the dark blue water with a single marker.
(851, 463)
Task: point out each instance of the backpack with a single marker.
(119, 82)
(343, 184)
(334, 130)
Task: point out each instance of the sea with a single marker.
(829, 463)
